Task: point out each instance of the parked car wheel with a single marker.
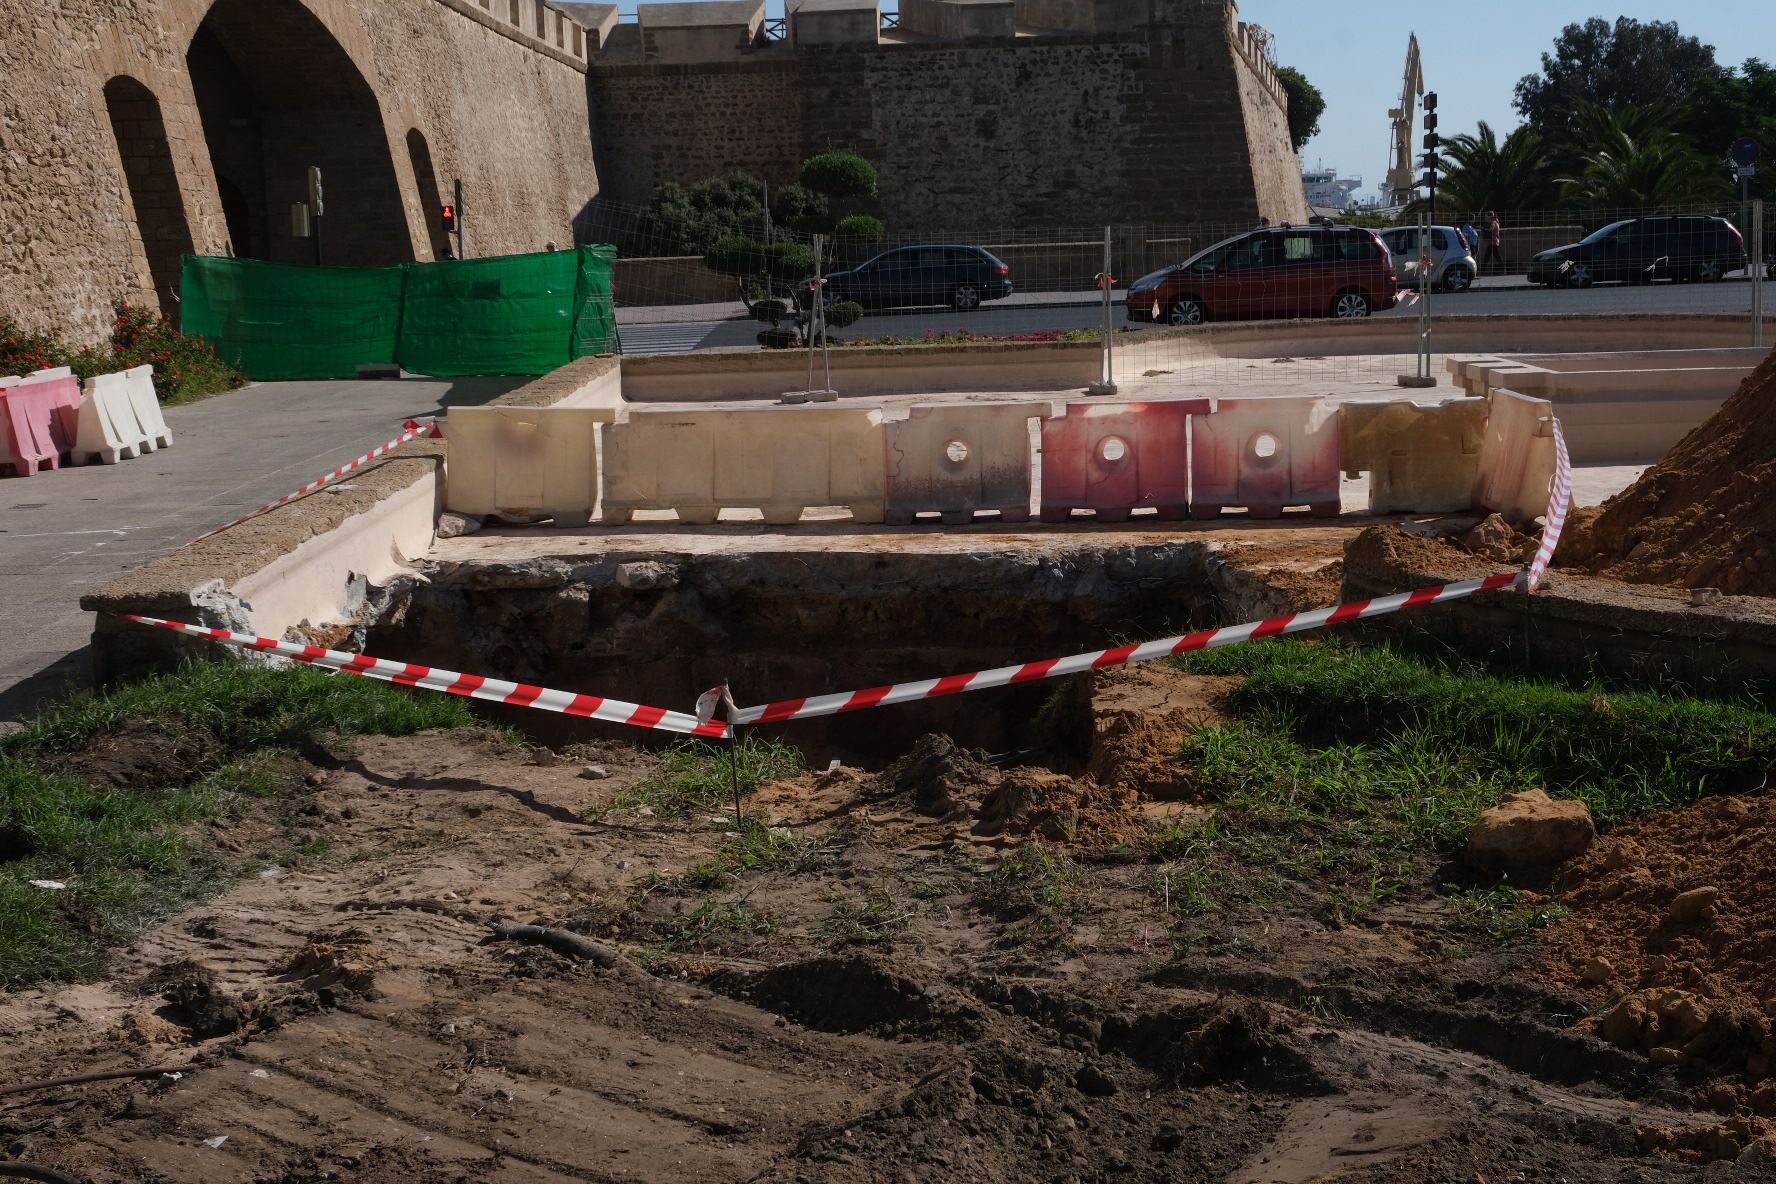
(1577, 276)
(964, 297)
(1457, 279)
(1186, 310)
(1708, 271)
(1351, 305)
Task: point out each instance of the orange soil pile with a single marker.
(1674, 919)
(1705, 516)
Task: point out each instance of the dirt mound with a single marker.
(936, 777)
(1035, 802)
(1389, 556)
(196, 1001)
(142, 754)
(1140, 718)
(1675, 915)
(1705, 515)
(861, 993)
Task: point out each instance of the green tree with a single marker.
(1632, 160)
(1628, 63)
(1306, 105)
(1486, 173)
(1737, 102)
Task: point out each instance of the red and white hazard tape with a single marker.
(415, 429)
(1560, 495)
(1559, 502)
(703, 724)
(471, 686)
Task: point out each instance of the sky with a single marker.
(1356, 55)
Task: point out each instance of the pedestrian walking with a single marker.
(1471, 239)
(1495, 242)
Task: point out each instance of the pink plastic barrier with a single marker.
(35, 414)
(1111, 458)
(955, 459)
(1265, 454)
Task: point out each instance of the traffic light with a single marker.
(447, 219)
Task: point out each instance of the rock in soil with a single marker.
(1528, 834)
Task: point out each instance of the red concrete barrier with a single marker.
(1265, 454)
(1112, 458)
(35, 414)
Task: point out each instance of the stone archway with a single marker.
(276, 94)
(162, 233)
(431, 199)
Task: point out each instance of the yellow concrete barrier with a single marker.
(1421, 457)
(524, 462)
(779, 461)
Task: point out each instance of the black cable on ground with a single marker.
(31, 1171)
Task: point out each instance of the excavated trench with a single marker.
(662, 627)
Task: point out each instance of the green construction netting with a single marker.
(517, 314)
(286, 320)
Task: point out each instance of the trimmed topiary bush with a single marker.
(860, 227)
(843, 314)
(839, 174)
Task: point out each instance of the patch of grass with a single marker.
(712, 924)
(755, 848)
(1431, 718)
(1038, 883)
(698, 778)
(1503, 913)
(121, 851)
(880, 917)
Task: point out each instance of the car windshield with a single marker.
(1612, 228)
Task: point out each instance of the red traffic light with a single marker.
(447, 218)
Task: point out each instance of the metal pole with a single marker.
(462, 251)
(1424, 280)
(767, 188)
(1106, 384)
(1757, 272)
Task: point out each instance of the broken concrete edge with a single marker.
(202, 583)
(1585, 623)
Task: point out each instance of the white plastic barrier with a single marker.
(107, 429)
(956, 459)
(139, 381)
(524, 462)
(777, 460)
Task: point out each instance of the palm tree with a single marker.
(1484, 173)
(1632, 157)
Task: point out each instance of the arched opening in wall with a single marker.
(431, 200)
(162, 233)
(276, 94)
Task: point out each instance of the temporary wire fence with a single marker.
(714, 280)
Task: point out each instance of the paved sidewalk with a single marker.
(70, 530)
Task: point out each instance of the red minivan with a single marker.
(1283, 271)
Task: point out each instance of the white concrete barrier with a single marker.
(956, 459)
(524, 462)
(777, 460)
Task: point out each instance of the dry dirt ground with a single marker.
(929, 987)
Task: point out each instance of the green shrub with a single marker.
(861, 228)
(185, 367)
(785, 262)
(839, 174)
(843, 314)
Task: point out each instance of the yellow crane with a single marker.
(1400, 185)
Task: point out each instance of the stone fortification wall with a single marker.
(1180, 122)
(111, 172)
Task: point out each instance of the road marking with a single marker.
(680, 337)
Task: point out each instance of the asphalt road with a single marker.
(1063, 311)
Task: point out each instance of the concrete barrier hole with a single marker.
(1264, 445)
(956, 452)
(1112, 449)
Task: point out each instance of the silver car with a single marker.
(1452, 259)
